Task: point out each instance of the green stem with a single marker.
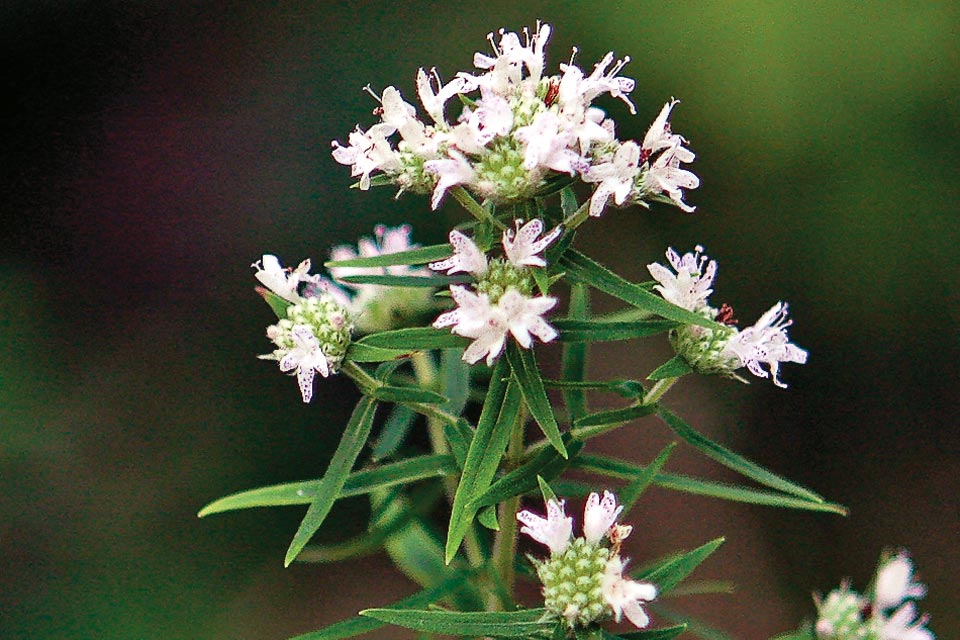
(578, 217)
(505, 543)
(474, 208)
(658, 390)
(368, 386)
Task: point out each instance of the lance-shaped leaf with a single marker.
(621, 469)
(277, 304)
(459, 436)
(632, 492)
(673, 368)
(414, 339)
(422, 255)
(394, 431)
(360, 624)
(357, 483)
(527, 374)
(407, 394)
(435, 282)
(664, 633)
(673, 571)
(733, 460)
(575, 355)
(354, 438)
(357, 352)
(454, 380)
(497, 418)
(603, 331)
(500, 624)
(582, 269)
(546, 464)
(615, 416)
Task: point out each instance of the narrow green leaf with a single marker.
(422, 255)
(663, 633)
(435, 282)
(546, 491)
(799, 634)
(525, 371)
(629, 494)
(702, 587)
(673, 368)
(407, 394)
(353, 440)
(621, 469)
(393, 433)
(488, 518)
(615, 416)
(486, 449)
(414, 339)
(602, 331)
(575, 355)
(357, 352)
(545, 465)
(733, 460)
(500, 624)
(454, 380)
(671, 573)
(359, 624)
(277, 304)
(568, 201)
(459, 436)
(583, 269)
(695, 627)
(357, 483)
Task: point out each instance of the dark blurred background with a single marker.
(152, 150)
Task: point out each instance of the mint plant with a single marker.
(447, 339)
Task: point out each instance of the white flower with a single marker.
(466, 258)
(690, 286)
(306, 357)
(599, 516)
(548, 146)
(433, 102)
(766, 342)
(523, 246)
(624, 596)
(666, 176)
(659, 136)
(902, 626)
(488, 324)
(616, 177)
(282, 282)
(894, 583)
(554, 531)
(449, 172)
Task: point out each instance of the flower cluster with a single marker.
(521, 130)
(502, 302)
(583, 579)
(890, 615)
(376, 307)
(314, 336)
(722, 350)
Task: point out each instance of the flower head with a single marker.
(766, 342)
(690, 286)
(583, 579)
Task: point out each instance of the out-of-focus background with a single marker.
(152, 150)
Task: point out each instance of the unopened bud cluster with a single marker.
(502, 275)
(573, 582)
(327, 319)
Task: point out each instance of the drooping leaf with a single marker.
(354, 438)
(671, 573)
(527, 374)
(421, 255)
(733, 460)
(499, 624)
(583, 269)
(575, 356)
(602, 331)
(414, 339)
(673, 368)
(500, 410)
(357, 483)
(625, 470)
(358, 625)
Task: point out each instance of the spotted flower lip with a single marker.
(690, 285)
(766, 343)
(307, 358)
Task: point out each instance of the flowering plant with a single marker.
(446, 338)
